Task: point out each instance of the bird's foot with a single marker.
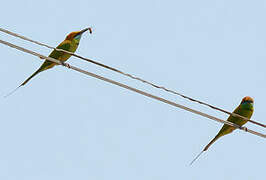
(65, 64)
(244, 128)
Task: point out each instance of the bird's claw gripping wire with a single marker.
(65, 64)
(244, 128)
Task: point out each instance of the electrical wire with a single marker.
(134, 77)
(243, 128)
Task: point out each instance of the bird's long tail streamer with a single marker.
(12, 91)
(36, 72)
(196, 158)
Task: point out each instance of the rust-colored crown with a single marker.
(247, 99)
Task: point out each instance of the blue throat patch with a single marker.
(77, 37)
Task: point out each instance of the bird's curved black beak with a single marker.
(86, 29)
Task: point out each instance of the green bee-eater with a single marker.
(245, 109)
(69, 44)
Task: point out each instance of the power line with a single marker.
(133, 89)
(134, 77)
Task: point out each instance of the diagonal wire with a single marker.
(243, 128)
(134, 77)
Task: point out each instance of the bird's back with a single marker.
(245, 112)
(61, 56)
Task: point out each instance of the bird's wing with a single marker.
(56, 55)
(65, 45)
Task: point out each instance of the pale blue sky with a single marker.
(64, 125)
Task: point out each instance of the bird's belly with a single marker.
(227, 129)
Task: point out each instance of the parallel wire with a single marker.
(133, 89)
(134, 77)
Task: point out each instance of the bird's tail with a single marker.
(29, 78)
(210, 143)
(206, 148)
(34, 74)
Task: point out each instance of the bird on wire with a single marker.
(245, 109)
(70, 44)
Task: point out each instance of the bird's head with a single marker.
(77, 34)
(247, 102)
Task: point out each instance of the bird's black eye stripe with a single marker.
(249, 101)
(78, 34)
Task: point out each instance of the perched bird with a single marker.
(245, 109)
(69, 44)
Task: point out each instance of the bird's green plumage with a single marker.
(69, 44)
(245, 109)
(61, 56)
